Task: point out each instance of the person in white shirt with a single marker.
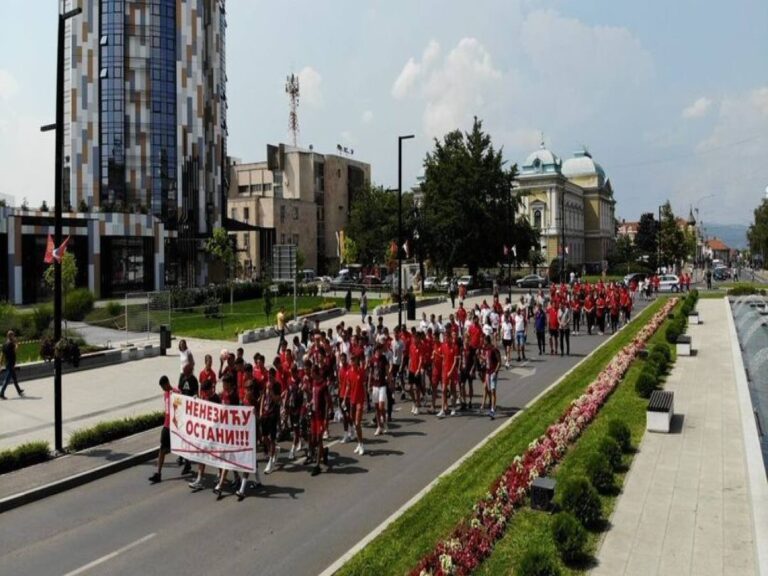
(520, 325)
(495, 320)
(424, 324)
(507, 337)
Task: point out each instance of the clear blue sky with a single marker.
(670, 97)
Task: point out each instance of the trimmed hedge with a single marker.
(646, 382)
(599, 471)
(24, 455)
(569, 536)
(537, 562)
(611, 451)
(619, 431)
(77, 304)
(580, 498)
(114, 429)
(662, 349)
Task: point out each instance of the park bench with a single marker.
(693, 317)
(542, 493)
(661, 408)
(683, 345)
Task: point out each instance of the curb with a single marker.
(58, 486)
(347, 556)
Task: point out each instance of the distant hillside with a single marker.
(734, 235)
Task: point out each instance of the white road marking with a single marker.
(111, 555)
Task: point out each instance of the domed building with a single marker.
(571, 204)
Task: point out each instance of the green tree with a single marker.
(373, 224)
(647, 239)
(219, 247)
(757, 234)
(672, 239)
(68, 273)
(351, 252)
(625, 250)
(467, 193)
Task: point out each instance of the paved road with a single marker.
(295, 525)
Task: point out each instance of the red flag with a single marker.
(49, 251)
(58, 253)
(393, 249)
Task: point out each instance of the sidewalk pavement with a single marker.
(687, 506)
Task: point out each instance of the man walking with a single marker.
(280, 328)
(564, 321)
(9, 357)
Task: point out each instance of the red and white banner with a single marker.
(213, 434)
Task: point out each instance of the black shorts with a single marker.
(554, 332)
(506, 342)
(165, 440)
(414, 379)
(269, 427)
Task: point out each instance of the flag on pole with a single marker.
(49, 251)
(53, 254)
(338, 245)
(407, 248)
(514, 250)
(393, 249)
(566, 249)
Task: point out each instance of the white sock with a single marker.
(243, 484)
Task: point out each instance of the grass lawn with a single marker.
(245, 315)
(528, 525)
(400, 547)
(594, 278)
(28, 352)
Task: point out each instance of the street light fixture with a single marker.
(58, 199)
(400, 226)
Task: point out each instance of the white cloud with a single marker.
(367, 117)
(729, 160)
(310, 82)
(453, 89)
(8, 85)
(698, 108)
(412, 70)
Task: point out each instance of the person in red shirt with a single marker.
(492, 366)
(600, 314)
(229, 397)
(576, 313)
(553, 325)
(356, 388)
(207, 380)
(437, 367)
(344, 403)
(450, 371)
(461, 317)
(415, 370)
(321, 405)
(165, 433)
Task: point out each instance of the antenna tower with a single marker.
(292, 89)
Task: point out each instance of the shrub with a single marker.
(742, 290)
(569, 536)
(662, 349)
(42, 316)
(619, 431)
(646, 383)
(78, 303)
(114, 429)
(611, 450)
(599, 471)
(114, 309)
(672, 332)
(24, 455)
(536, 561)
(660, 361)
(580, 498)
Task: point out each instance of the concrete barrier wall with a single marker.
(293, 327)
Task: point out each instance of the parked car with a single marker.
(533, 281)
(430, 283)
(371, 281)
(466, 281)
(721, 273)
(669, 283)
(444, 283)
(634, 276)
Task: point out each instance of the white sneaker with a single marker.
(268, 469)
(453, 412)
(292, 454)
(386, 430)
(378, 432)
(362, 450)
(196, 485)
(345, 438)
(325, 435)
(441, 414)
(416, 411)
(357, 448)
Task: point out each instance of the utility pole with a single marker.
(58, 200)
(400, 227)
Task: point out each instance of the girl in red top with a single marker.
(356, 383)
(437, 369)
(415, 371)
(344, 370)
(450, 363)
(228, 398)
(554, 326)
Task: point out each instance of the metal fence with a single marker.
(145, 312)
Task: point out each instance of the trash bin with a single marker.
(165, 338)
(410, 305)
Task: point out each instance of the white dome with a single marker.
(542, 160)
(582, 164)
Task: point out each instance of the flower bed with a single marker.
(473, 540)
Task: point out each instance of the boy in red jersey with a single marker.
(321, 403)
(165, 433)
(207, 380)
(437, 369)
(553, 324)
(450, 369)
(415, 371)
(356, 383)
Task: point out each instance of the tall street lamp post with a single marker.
(400, 227)
(58, 200)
